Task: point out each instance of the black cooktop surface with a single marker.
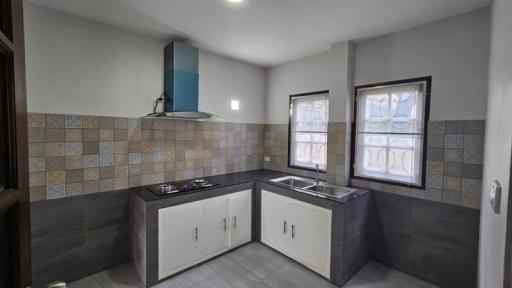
(177, 187)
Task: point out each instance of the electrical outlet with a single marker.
(267, 158)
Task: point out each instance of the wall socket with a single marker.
(266, 158)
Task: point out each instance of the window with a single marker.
(309, 115)
(389, 137)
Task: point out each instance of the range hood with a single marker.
(181, 85)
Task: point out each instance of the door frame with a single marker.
(15, 198)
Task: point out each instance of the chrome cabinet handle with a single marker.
(284, 227)
(293, 231)
(234, 222)
(197, 233)
(225, 225)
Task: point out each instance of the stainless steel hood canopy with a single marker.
(181, 85)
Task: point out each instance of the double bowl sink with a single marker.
(321, 189)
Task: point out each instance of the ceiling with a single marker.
(264, 32)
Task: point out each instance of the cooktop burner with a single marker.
(176, 187)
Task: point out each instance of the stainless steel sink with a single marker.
(330, 190)
(310, 186)
(293, 181)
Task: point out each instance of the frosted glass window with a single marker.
(389, 132)
(309, 116)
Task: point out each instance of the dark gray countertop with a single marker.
(231, 179)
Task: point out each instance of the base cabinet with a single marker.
(300, 230)
(194, 232)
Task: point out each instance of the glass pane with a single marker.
(5, 18)
(303, 152)
(393, 109)
(310, 114)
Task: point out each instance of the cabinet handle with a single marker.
(225, 225)
(197, 233)
(284, 227)
(293, 231)
(234, 222)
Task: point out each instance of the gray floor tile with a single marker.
(254, 266)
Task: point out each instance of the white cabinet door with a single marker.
(311, 236)
(213, 237)
(240, 204)
(178, 232)
(274, 223)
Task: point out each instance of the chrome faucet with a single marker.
(317, 174)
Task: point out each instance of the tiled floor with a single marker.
(255, 266)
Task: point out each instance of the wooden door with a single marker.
(240, 217)
(215, 239)
(179, 236)
(14, 194)
(311, 236)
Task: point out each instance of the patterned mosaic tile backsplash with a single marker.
(454, 160)
(74, 154)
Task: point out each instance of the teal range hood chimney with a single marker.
(181, 85)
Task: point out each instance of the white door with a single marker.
(178, 237)
(311, 236)
(498, 144)
(213, 237)
(240, 217)
(274, 223)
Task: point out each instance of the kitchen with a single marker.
(259, 144)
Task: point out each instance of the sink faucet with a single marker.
(317, 174)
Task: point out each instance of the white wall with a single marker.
(222, 79)
(498, 145)
(454, 51)
(301, 76)
(78, 66)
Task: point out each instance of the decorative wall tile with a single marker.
(90, 122)
(436, 141)
(74, 176)
(435, 154)
(91, 161)
(91, 174)
(476, 127)
(454, 141)
(55, 191)
(36, 135)
(56, 163)
(73, 121)
(74, 149)
(74, 162)
(37, 179)
(36, 150)
(55, 177)
(436, 127)
(454, 127)
(36, 120)
(74, 189)
(90, 187)
(55, 135)
(106, 135)
(452, 183)
(452, 169)
(106, 122)
(106, 160)
(473, 142)
(91, 148)
(54, 121)
(473, 156)
(472, 171)
(90, 134)
(37, 164)
(452, 197)
(453, 155)
(73, 135)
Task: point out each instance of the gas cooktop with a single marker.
(177, 187)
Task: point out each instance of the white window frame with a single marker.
(419, 131)
(293, 131)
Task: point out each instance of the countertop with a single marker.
(231, 179)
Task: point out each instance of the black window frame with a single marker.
(290, 165)
(428, 89)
